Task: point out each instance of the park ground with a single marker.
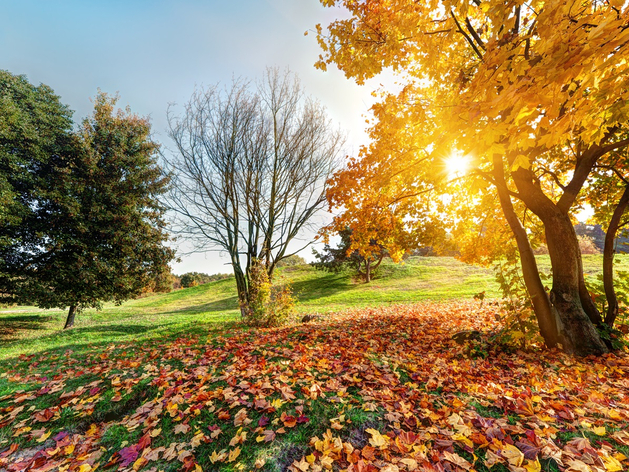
(375, 383)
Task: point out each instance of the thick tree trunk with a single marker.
(367, 270)
(70, 318)
(608, 259)
(544, 313)
(578, 333)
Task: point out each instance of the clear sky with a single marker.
(154, 52)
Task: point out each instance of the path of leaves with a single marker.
(378, 389)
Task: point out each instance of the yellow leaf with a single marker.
(217, 457)
(85, 468)
(614, 415)
(533, 466)
(154, 433)
(599, 430)
(612, 464)
(327, 461)
(311, 458)
(301, 465)
(513, 455)
(233, 455)
(43, 437)
(460, 437)
(411, 464)
(377, 439)
(521, 161)
(197, 468)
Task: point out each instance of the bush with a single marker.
(192, 279)
(587, 245)
(292, 260)
(269, 305)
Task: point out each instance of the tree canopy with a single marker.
(532, 94)
(251, 168)
(93, 231)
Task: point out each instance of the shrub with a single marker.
(192, 279)
(269, 304)
(587, 245)
(292, 260)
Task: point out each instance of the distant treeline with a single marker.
(192, 279)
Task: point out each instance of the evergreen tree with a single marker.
(99, 233)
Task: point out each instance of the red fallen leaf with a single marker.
(529, 449)
(263, 421)
(260, 404)
(94, 391)
(444, 444)
(44, 415)
(145, 441)
(408, 437)
(368, 453)
(302, 419)
(9, 451)
(60, 436)
(479, 439)
(128, 455)
(288, 420)
(223, 415)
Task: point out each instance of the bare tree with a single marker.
(250, 170)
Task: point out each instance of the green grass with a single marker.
(152, 345)
(214, 306)
(28, 330)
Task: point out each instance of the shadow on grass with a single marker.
(67, 339)
(12, 324)
(328, 285)
(229, 303)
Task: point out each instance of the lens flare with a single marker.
(457, 165)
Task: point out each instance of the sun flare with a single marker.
(457, 164)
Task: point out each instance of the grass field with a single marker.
(24, 330)
(176, 382)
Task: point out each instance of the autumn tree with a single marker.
(608, 193)
(97, 232)
(533, 93)
(335, 259)
(250, 170)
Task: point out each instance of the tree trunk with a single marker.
(368, 270)
(241, 286)
(578, 334)
(70, 318)
(544, 313)
(608, 259)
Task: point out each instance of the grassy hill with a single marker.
(28, 330)
(193, 310)
(175, 382)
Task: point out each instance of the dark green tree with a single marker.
(100, 235)
(35, 136)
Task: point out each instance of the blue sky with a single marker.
(155, 52)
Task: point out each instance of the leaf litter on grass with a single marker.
(383, 389)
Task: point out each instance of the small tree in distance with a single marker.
(250, 170)
(337, 259)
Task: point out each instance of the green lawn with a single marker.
(27, 330)
(176, 382)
